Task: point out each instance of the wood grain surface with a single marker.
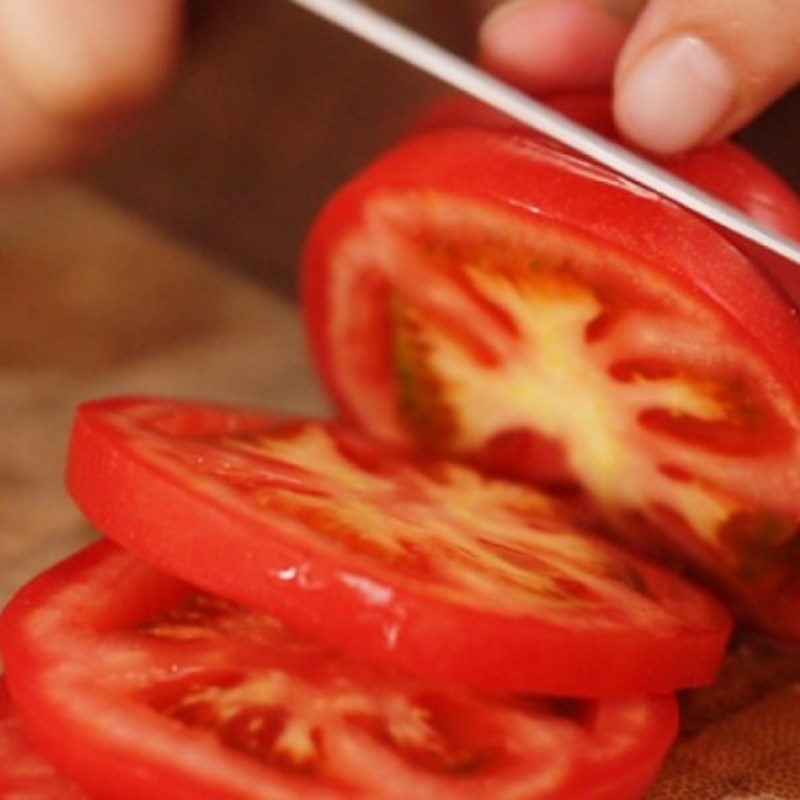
(95, 303)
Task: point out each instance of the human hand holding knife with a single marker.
(382, 32)
(50, 76)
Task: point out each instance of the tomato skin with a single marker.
(528, 179)
(201, 531)
(86, 642)
(725, 169)
(507, 168)
(23, 773)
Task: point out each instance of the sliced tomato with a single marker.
(421, 564)
(24, 774)
(138, 686)
(482, 294)
(723, 169)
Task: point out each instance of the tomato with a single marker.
(723, 169)
(138, 686)
(24, 774)
(485, 295)
(420, 564)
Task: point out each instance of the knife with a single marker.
(275, 108)
(403, 43)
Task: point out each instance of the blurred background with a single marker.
(168, 264)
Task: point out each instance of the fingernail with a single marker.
(676, 96)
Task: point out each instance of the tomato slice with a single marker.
(139, 686)
(421, 564)
(24, 774)
(723, 169)
(488, 296)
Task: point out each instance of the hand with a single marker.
(684, 72)
(72, 69)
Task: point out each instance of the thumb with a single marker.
(693, 72)
(71, 70)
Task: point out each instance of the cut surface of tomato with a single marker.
(484, 295)
(723, 169)
(422, 564)
(138, 686)
(24, 774)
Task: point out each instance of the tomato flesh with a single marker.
(724, 169)
(549, 321)
(139, 686)
(24, 774)
(421, 564)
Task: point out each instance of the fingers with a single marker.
(693, 72)
(71, 68)
(553, 45)
(685, 73)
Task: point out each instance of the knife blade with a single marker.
(401, 42)
(274, 108)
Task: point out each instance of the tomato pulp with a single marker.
(137, 685)
(483, 294)
(422, 564)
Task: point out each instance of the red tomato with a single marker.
(139, 687)
(486, 295)
(423, 565)
(24, 774)
(724, 169)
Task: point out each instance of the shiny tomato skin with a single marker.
(507, 168)
(724, 169)
(24, 774)
(137, 686)
(349, 307)
(422, 565)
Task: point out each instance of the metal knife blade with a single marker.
(405, 44)
(275, 108)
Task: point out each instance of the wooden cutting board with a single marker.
(93, 303)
